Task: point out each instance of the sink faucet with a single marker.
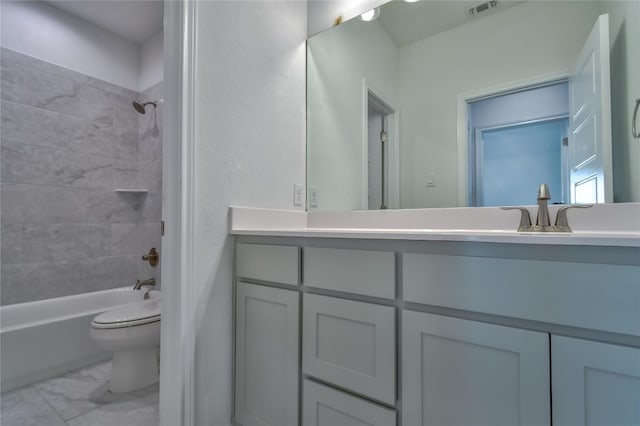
(146, 283)
(543, 221)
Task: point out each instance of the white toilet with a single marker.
(133, 334)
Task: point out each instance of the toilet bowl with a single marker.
(133, 334)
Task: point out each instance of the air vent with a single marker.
(482, 8)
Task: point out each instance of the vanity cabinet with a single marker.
(594, 383)
(459, 372)
(267, 364)
(431, 333)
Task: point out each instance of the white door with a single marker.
(266, 356)
(590, 157)
(459, 372)
(594, 383)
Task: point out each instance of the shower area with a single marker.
(80, 198)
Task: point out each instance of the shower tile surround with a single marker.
(67, 141)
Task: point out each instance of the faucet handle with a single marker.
(525, 218)
(562, 222)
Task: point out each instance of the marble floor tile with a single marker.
(26, 407)
(139, 408)
(81, 398)
(75, 393)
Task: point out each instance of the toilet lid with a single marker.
(129, 316)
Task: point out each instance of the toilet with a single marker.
(133, 334)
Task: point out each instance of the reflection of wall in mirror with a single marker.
(527, 40)
(624, 36)
(337, 63)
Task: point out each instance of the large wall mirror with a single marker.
(458, 103)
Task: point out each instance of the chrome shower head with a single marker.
(140, 107)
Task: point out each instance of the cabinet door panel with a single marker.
(458, 372)
(266, 356)
(594, 383)
(351, 344)
(325, 406)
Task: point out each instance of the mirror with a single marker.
(399, 100)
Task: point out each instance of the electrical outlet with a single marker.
(313, 196)
(298, 195)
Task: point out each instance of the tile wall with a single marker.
(67, 141)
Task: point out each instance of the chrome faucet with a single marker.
(146, 283)
(543, 220)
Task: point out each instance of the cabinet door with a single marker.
(459, 372)
(350, 344)
(325, 406)
(594, 383)
(266, 356)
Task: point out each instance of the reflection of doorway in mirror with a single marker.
(381, 153)
(517, 141)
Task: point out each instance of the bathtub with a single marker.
(50, 337)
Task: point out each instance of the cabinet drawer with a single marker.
(268, 263)
(325, 406)
(579, 294)
(367, 272)
(351, 344)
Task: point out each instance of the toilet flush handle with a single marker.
(153, 257)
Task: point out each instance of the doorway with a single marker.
(381, 154)
(518, 140)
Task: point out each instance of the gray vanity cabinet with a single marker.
(594, 383)
(350, 344)
(267, 364)
(326, 406)
(460, 372)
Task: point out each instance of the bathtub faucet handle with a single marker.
(153, 257)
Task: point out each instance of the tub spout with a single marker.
(146, 283)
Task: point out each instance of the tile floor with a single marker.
(79, 398)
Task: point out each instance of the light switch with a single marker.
(431, 180)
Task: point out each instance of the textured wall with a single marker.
(67, 141)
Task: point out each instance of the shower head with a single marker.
(140, 107)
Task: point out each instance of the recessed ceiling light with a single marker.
(411, 1)
(370, 15)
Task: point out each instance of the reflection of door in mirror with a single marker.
(380, 164)
(516, 143)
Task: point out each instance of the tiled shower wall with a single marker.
(67, 141)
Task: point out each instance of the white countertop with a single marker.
(614, 225)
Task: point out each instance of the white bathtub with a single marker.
(50, 337)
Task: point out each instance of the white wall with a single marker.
(434, 71)
(39, 30)
(624, 31)
(250, 151)
(151, 61)
(337, 62)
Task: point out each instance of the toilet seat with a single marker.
(128, 316)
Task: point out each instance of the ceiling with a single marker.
(134, 20)
(407, 23)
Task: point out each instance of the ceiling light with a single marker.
(410, 1)
(370, 15)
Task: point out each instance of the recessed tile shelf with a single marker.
(132, 190)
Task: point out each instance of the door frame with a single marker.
(393, 148)
(463, 120)
(177, 350)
